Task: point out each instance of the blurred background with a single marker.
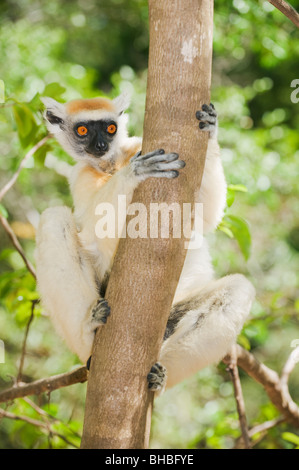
(86, 48)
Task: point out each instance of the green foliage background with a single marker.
(84, 48)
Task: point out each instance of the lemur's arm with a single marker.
(212, 192)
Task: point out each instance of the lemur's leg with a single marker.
(212, 191)
(202, 329)
(66, 281)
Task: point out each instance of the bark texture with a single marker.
(146, 271)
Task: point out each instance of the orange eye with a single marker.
(82, 130)
(111, 129)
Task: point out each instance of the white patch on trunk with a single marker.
(189, 51)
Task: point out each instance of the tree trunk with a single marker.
(146, 271)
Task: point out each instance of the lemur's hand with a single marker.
(157, 164)
(208, 119)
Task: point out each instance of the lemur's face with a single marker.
(88, 129)
(95, 137)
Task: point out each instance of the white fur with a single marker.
(225, 304)
(102, 251)
(70, 256)
(67, 288)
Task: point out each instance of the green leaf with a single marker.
(35, 103)
(243, 341)
(41, 153)
(26, 124)
(290, 437)
(3, 211)
(5, 254)
(54, 90)
(230, 197)
(225, 229)
(24, 119)
(237, 187)
(231, 189)
(241, 233)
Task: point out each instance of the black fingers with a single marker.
(157, 164)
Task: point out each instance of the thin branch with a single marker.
(267, 377)
(287, 10)
(263, 427)
(17, 244)
(19, 377)
(5, 189)
(37, 423)
(45, 385)
(260, 429)
(234, 373)
(34, 422)
(292, 360)
(50, 418)
(271, 382)
(40, 411)
(28, 155)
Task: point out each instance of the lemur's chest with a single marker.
(97, 215)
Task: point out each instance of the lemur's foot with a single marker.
(157, 164)
(100, 312)
(96, 316)
(156, 377)
(88, 362)
(208, 118)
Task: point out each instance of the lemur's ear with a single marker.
(54, 112)
(122, 102)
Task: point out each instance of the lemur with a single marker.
(73, 265)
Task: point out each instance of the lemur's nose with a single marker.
(101, 145)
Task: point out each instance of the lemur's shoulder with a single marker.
(131, 146)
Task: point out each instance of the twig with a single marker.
(5, 189)
(34, 422)
(28, 155)
(292, 360)
(260, 429)
(45, 385)
(47, 416)
(234, 373)
(286, 371)
(287, 10)
(17, 245)
(37, 423)
(267, 377)
(19, 376)
(39, 410)
(263, 427)
(270, 380)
